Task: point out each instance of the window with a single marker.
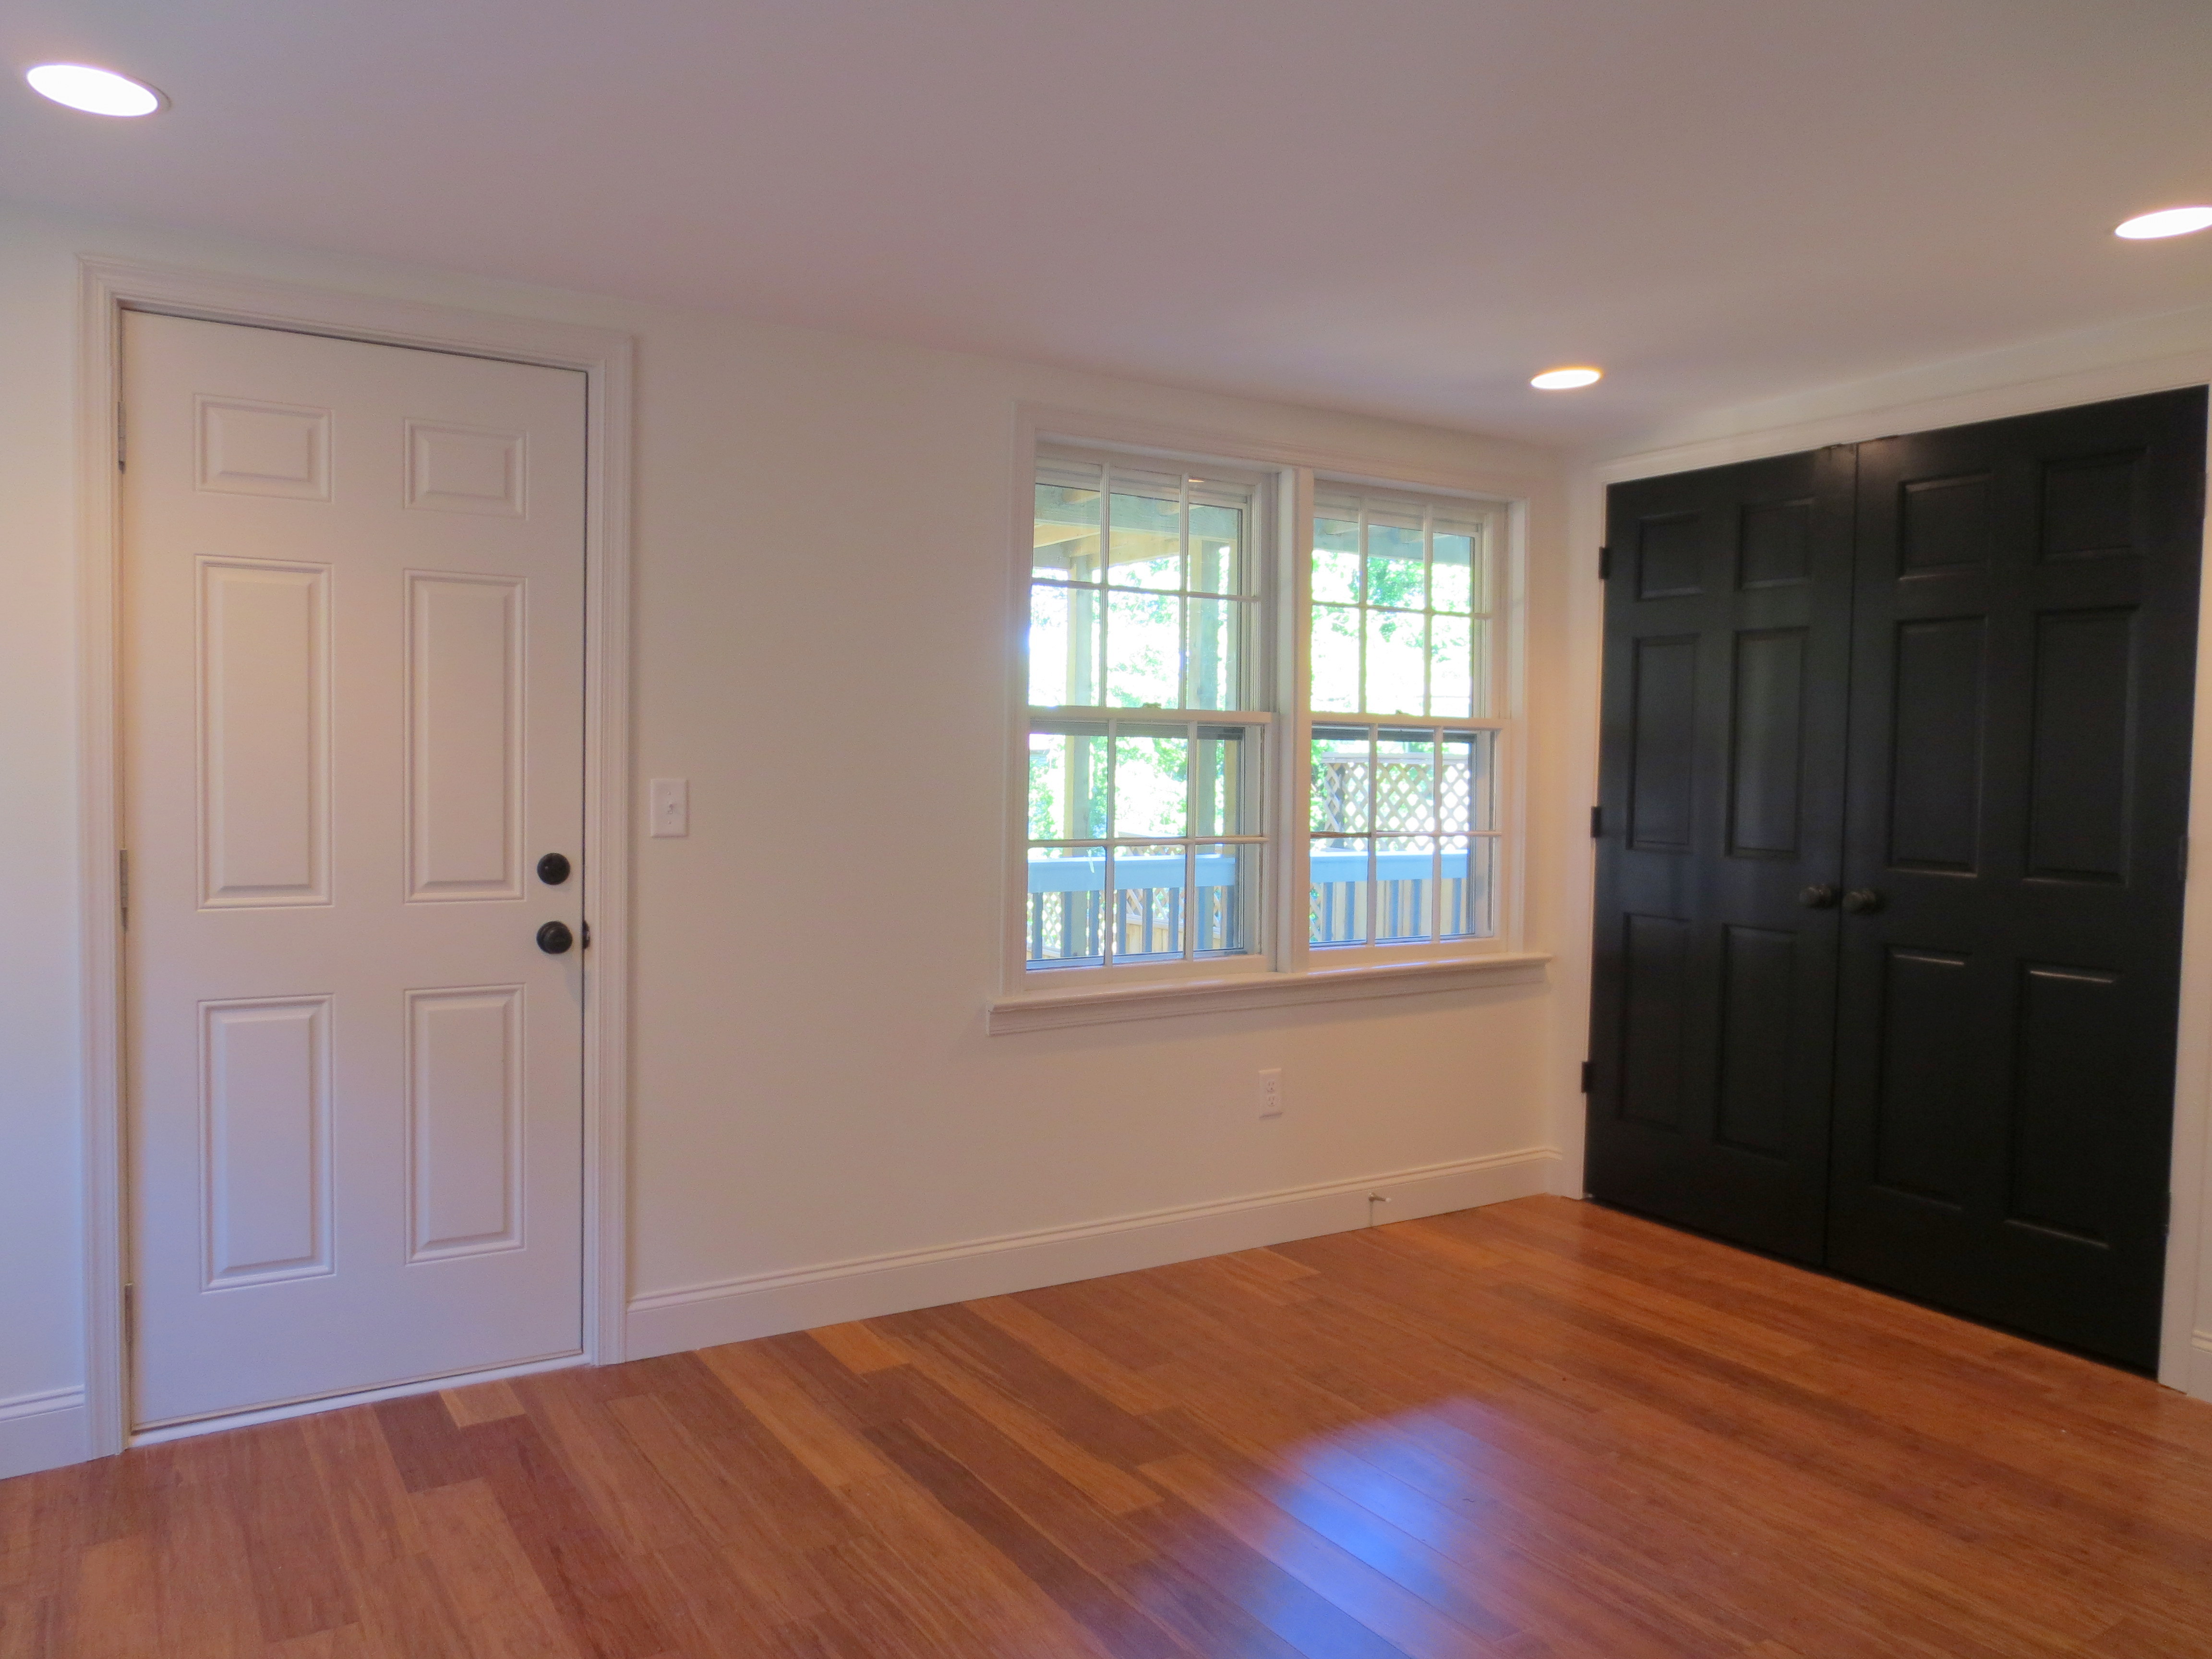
(1402, 814)
(1147, 811)
(1186, 779)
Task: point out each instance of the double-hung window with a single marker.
(1211, 790)
(1147, 805)
(1403, 692)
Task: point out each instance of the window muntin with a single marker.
(1147, 820)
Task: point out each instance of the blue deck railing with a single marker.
(1068, 910)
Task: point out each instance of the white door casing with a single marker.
(352, 720)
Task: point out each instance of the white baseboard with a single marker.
(768, 1304)
(43, 1431)
(2200, 1366)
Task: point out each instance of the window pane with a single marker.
(1225, 801)
(1465, 904)
(1064, 646)
(1451, 665)
(1404, 782)
(1148, 910)
(1144, 642)
(1152, 786)
(1336, 560)
(1216, 632)
(1336, 905)
(1451, 575)
(1393, 561)
(1217, 549)
(1067, 528)
(1405, 887)
(1339, 791)
(1147, 534)
(1226, 909)
(1470, 797)
(1066, 917)
(1335, 653)
(1395, 659)
(1067, 783)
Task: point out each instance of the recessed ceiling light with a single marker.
(1566, 379)
(2167, 222)
(95, 91)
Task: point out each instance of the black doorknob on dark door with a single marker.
(554, 938)
(553, 869)
(1818, 896)
(1862, 900)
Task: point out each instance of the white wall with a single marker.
(812, 1084)
(2122, 360)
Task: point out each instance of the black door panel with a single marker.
(1727, 631)
(1894, 780)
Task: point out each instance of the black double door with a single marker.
(1893, 796)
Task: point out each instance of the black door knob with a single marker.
(1818, 896)
(1862, 900)
(554, 938)
(553, 869)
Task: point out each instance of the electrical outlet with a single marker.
(671, 808)
(1271, 1092)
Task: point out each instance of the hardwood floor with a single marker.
(1536, 1428)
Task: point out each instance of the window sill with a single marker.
(1208, 996)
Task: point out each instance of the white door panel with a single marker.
(353, 722)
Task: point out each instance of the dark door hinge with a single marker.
(1604, 564)
(1586, 1076)
(1597, 823)
(586, 940)
(123, 886)
(121, 465)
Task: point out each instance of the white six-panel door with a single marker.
(353, 724)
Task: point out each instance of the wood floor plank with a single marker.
(1538, 1430)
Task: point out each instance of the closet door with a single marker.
(1726, 640)
(2021, 688)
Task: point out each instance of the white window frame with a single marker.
(1285, 968)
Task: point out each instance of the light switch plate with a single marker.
(671, 808)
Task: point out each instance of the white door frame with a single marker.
(2185, 1325)
(107, 288)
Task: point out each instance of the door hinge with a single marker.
(587, 938)
(1586, 1076)
(121, 463)
(1597, 823)
(123, 886)
(1604, 564)
(130, 1318)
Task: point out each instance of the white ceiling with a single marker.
(1401, 206)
